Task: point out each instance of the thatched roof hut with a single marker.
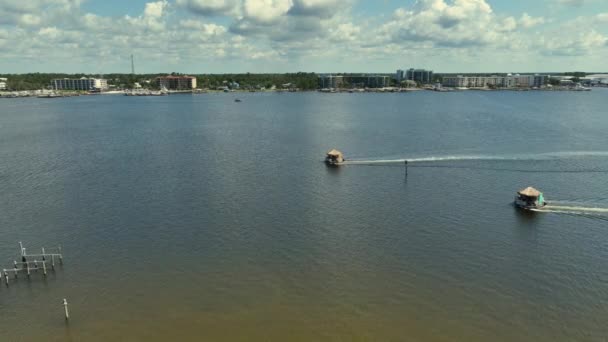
(529, 192)
(335, 153)
(334, 157)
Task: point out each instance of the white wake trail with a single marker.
(573, 209)
(514, 157)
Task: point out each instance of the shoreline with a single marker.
(60, 94)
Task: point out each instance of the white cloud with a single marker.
(527, 21)
(266, 11)
(319, 8)
(210, 7)
(29, 19)
(155, 9)
(458, 24)
(577, 43)
(300, 32)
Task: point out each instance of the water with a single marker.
(198, 218)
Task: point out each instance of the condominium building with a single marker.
(330, 81)
(3, 83)
(419, 75)
(83, 83)
(400, 75)
(509, 81)
(176, 82)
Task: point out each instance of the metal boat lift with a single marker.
(28, 267)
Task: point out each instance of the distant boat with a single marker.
(529, 198)
(579, 87)
(49, 96)
(237, 100)
(334, 158)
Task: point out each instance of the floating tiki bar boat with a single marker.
(530, 198)
(334, 157)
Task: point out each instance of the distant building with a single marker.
(330, 81)
(400, 75)
(176, 82)
(88, 84)
(419, 75)
(368, 81)
(493, 81)
(595, 80)
(3, 83)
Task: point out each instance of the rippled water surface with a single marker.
(198, 218)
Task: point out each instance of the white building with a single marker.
(596, 79)
(509, 81)
(80, 84)
(3, 83)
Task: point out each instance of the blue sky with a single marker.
(219, 36)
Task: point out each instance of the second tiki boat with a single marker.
(529, 198)
(334, 158)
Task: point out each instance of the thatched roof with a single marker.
(335, 153)
(529, 192)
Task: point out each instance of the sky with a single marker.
(259, 36)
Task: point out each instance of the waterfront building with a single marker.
(420, 75)
(330, 81)
(176, 82)
(400, 75)
(83, 83)
(368, 81)
(493, 81)
(3, 82)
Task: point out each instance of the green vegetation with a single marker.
(301, 80)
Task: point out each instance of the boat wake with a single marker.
(420, 160)
(572, 209)
(575, 210)
(514, 157)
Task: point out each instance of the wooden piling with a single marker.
(65, 306)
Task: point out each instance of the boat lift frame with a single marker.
(29, 266)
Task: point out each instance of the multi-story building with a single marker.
(368, 81)
(3, 83)
(88, 84)
(176, 82)
(400, 75)
(419, 75)
(509, 81)
(330, 81)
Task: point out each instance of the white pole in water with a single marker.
(5, 277)
(60, 256)
(65, 307)
(21, 245)
(44, 267)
